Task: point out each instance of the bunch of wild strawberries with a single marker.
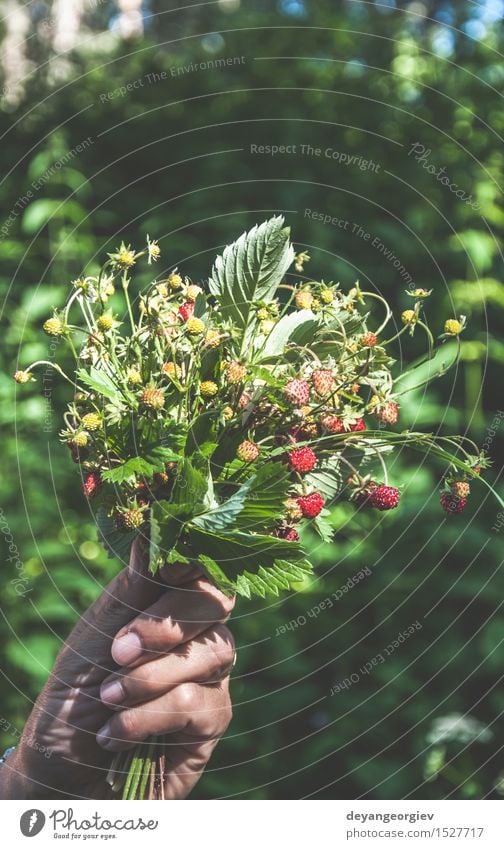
(179, 363)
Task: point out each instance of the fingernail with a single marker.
(103, 736)
(127, 648)
(112, 692)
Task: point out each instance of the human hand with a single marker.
(143, 660)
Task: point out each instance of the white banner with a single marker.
(293, 825)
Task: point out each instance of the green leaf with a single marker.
(116, 543)
(128, 470)
(322, 525)
(250, 270)
(249, 564)
(255, 506)
(296, 327)
(192, 486)
(327, 478)
(167, 522)
(201, 435)
(99, 382)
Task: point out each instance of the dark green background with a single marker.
(172, 158)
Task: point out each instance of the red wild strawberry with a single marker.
(247, 451)
(92, 483)
(311, 505)
(287, 533)
(388, 413)
(359, 425)
(384, 497)
(297, 391)
(332, 423)
(451, 504)
(244, 400)
(186, 310)
(369, 340)
(362, 496)
(323, 382)
(302, 460)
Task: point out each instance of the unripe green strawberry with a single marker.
(227, 414)
(192, 292)
(451, 504)
(195, 326)
(303, 299)
(236, 372)
(248, 451)
(208, 389)
(453, 327)
(323, 382)
(174, 280)
(171, 369)
(91, 421)
(212, 338)
(133, 376)
(105, 322)
(293, 510)
(54, 326)
(409, 317)
(22, 376)
(267, 326)
(153, 397)
(460, 488)
(388, 413)
(129, 519)
(326, 296)
(80, 439)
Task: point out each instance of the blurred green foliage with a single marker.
(173, 158)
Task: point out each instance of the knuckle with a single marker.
(224, 603)
(227, 603)
(126, 726)
(222, 646)
(186, 698)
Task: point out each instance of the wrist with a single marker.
(14, 784)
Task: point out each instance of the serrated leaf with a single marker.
(235, 551)
(322, 525)
(250, 270)
(255, 506)
(191, 486)
(116, 543)
(99, 382)
(127, 471)
(158, 455)
(297, 327)
(166, 526)
(201, 434)
(327, 478)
